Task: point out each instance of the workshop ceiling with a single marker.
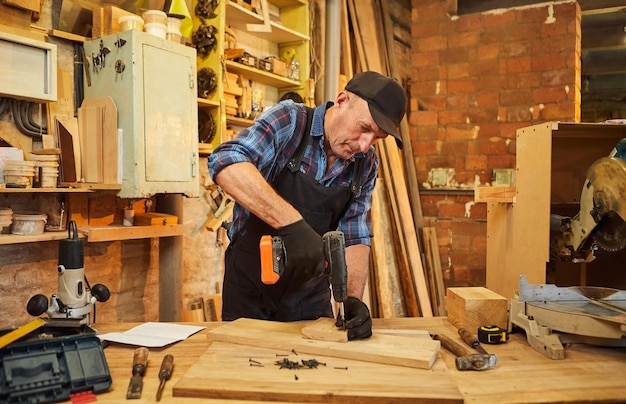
(603, 58)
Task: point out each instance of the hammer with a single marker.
(465, 360)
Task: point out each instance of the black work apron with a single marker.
(291, 298)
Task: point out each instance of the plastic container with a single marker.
(173, 29)
(154, 17)
(6, 215)
(156, 29)
(28, 223)
(128, 22)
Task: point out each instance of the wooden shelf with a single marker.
(239, 17)
(114, 233)
(261, 76)
(204, 103)
(43, 190)
(239, 121)
(100, 233)
(46, 236)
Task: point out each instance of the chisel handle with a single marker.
(140, 360)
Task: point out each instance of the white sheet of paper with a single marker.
(153, 335)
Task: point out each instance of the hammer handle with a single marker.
(452, 346)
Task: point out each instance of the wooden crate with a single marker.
(154, 219)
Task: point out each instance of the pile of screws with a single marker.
(303, 364)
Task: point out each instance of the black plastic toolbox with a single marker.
(46, 370)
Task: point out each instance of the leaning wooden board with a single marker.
(224, 371)
(380, 348)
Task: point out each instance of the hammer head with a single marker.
(476, 362)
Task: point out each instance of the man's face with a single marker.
(352, 129)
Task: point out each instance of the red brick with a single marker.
(501, 20)
(479, 243)
(519, 65)
(479, 115)
(491, 83)
(457, 71)
(426, 29)
(476, 162)
(451, 210)
(462, 39)
(487, 99)
(478, 211)
(457, 100)
(520, 32)
(549, 94)
(424, 133)
(459, 132)
(429, 73)
(503, 161)
(451, 117)
(488, 51)
(515, 49)
(421, 59)
(555, 29)
(433, 43)
(457, 55)
(524, 81)
(469, 22)
(515, 97)
(425, 88)
(454, 148)
(425, 148)
(433, 102)
(557, 77)
(461, 86)
(518, 114)
(559, 112)
(484, 68)
(440, 161)
(488, 130)
(548, 62)
(461, 242)
(424, 117)
(491, 146)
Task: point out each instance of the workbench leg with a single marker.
(171, 263)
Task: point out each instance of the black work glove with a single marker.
(357, 319)
(304, 250)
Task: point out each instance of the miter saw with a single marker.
(601, 221)
(553, 315)
(75, 301)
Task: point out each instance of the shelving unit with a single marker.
(292, 31)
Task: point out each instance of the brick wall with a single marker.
(476, 79)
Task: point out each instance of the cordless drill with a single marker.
(273, 263)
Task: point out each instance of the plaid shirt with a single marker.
(269, 144)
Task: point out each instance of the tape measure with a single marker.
(492, 335)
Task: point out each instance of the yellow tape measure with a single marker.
(492, 335)
(20, 332)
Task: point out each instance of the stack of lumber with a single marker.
(406, 278)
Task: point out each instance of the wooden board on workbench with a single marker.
(224, 372)
(386, 349)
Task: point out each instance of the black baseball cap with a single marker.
(385, 97)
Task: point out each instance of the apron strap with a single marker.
(296, 160)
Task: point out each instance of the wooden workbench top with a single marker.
(522, 375)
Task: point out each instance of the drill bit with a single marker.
(165, 373)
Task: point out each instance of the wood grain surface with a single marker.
(380, 348)
(225, 371)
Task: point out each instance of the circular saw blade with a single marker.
(610, 233)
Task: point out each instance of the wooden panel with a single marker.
(518, 234)
(224, 372)
(387, 349)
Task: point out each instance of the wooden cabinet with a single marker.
(281, 31)
(552, 162)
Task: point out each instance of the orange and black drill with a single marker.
(273, 263)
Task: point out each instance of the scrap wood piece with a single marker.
(324, 329)
(380, 348)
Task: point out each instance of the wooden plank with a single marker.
(390, 298)
(324, 329)
(386, 349)
(495, 194)
(432, 245)
(108, 135)
(109, 233)
(224, 372)
(90, 128)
